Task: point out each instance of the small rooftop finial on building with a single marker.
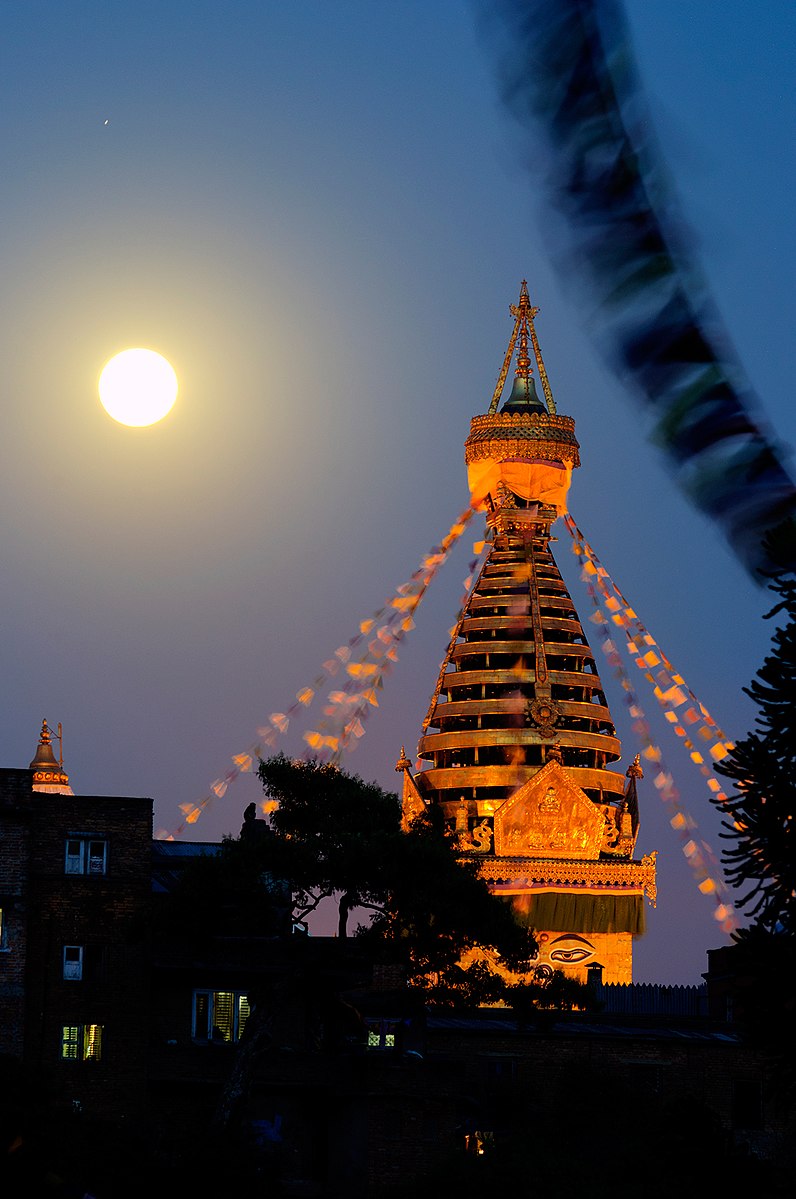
(48, 773)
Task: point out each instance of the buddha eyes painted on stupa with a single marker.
(570, 949)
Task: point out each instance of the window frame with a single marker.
(88, 1042)
(381, 1034)
(76, 973)
(240, 1012)
(82, 861)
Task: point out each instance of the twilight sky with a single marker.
(319, 212)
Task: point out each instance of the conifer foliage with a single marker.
(761, 825)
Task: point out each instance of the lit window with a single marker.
(81, 1042)
(86, 855)
(73, 962)
(219, 1016)
(381, 1033)
(479, 1142)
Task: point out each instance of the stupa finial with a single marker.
(524, 313)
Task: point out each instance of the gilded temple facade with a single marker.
(518, 746)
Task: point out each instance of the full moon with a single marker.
(137, 387)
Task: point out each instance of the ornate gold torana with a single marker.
(518, 742)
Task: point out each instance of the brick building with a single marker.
(15, 788)
(75, 882)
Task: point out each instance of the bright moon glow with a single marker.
(137, 387)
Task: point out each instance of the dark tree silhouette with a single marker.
(759, 816)
(333, 834)
(761, 861)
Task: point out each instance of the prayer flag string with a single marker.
(482, 550)
(669, 687)
(366, 660)
(671, 692)
(335, 735)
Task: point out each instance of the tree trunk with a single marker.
(343, 910)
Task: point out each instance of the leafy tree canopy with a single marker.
(329, 834)
(333, 834)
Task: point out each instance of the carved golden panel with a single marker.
(503, 435)
(549, 817)
(530, 872)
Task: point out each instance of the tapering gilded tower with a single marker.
(518, 740)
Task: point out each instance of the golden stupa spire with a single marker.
(526, 449)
